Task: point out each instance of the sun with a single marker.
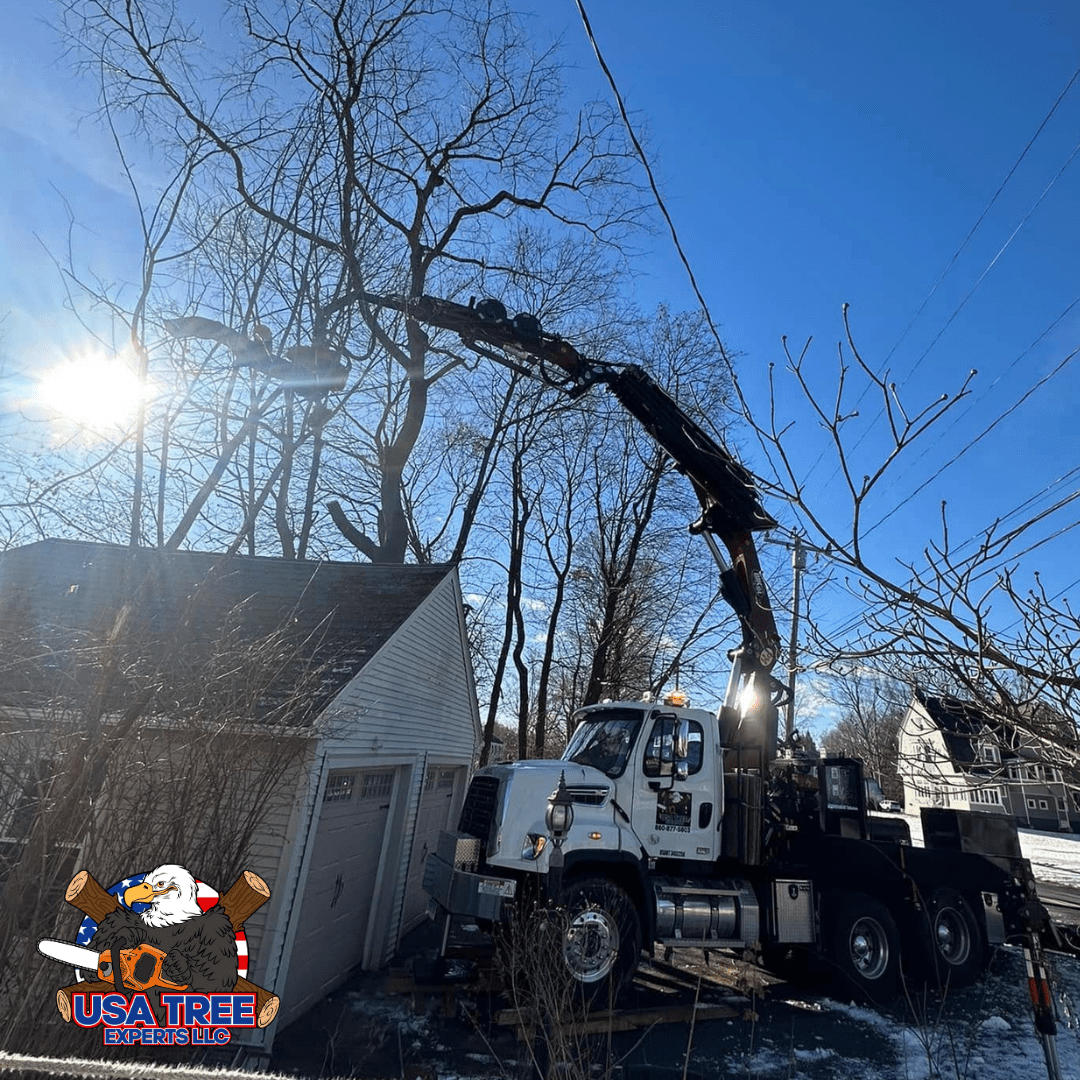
(93, 390)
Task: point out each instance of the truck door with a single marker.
(675, 818)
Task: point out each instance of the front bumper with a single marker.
(451, 881)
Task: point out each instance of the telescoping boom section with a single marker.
(731, 507)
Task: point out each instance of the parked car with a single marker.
(891, 806)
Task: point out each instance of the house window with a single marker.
(988, 796)
(1043, 805)
(988, 752)
(339, 787)
(1031, 804)
(1061, 803)
(377, 785)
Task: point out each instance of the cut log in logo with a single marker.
(166, 942)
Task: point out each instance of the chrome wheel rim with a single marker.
(591, 946)
(951, 936)
(868, 947)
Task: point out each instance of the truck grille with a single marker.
(479, 810)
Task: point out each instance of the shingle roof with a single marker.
(963, 725)
(347, 610)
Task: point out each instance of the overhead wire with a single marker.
(849, 623)
(964, 243)
(986, 210)
(997, 379)
(639, 150)
(963, 303)
(1031, 390)
(1001, 251)
(978, 438)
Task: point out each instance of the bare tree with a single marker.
(957, 617)
(393, 148)
(604, 596)
(872, 709)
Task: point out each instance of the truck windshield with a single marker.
(603, 740)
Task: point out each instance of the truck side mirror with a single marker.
(682, 740)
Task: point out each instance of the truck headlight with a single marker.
(533, 846)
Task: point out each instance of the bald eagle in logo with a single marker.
(200, 946)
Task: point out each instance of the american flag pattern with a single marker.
(206, 898)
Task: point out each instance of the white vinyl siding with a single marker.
(409, 714)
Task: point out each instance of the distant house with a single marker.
(387, 750)
(954, 754)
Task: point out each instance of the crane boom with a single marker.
(731, 507)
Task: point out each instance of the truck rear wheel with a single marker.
(602, 942)
(953, 940)
(863, 946)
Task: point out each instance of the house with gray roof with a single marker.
(389, 724)
(953, 753)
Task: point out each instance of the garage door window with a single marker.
(339, 787)
(377, 785)
(440, 779)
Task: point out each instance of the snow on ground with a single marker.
(984, 1032)
(1055, 857)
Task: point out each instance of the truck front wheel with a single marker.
(863, 946)
(602, 941)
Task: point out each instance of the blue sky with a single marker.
(812, 155)
(817, 154)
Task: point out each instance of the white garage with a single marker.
(340, 887)
(385, 757)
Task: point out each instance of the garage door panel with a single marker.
(440, 785)
(340, 882)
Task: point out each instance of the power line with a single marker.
(986, 210)
(978, 438)
(982, 397)
(993, 261)
(1022, 507)
(959, 251)
(671, 227)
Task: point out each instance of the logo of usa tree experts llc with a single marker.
(161, 959)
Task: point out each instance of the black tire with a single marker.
(602, 939)
(952, 940)
(862, 947)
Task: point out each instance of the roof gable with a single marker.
(964, 725)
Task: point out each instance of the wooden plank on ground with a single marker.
(626, 1020)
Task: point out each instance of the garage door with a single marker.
(340, 884)
(440, 783)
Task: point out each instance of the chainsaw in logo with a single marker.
(162, 950)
